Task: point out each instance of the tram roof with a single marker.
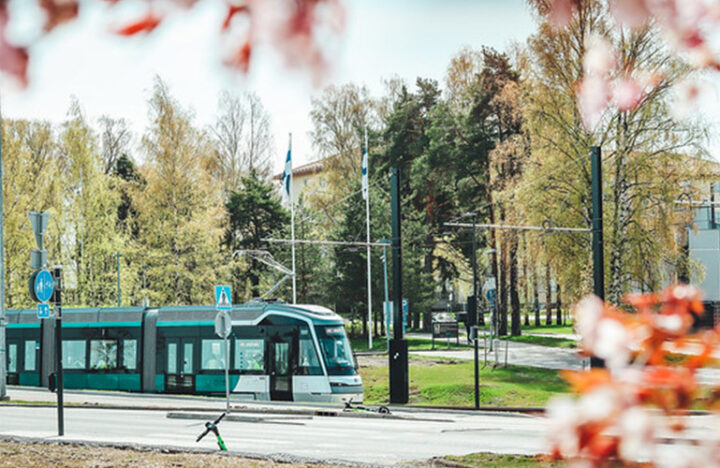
(249, 311)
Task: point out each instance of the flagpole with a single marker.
(292, 226)
(366, 192)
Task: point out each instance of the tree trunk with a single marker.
(526, 294)
(536, 295)
(514, 296)
(548, 296)
(558, 310)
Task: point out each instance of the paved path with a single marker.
(417, 436)
(521, 354)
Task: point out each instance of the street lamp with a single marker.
(118, 255)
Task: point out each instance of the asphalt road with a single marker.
(380, 441)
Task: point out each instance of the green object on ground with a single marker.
(437, 382)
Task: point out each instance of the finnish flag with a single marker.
(365, 172)
(286, 177)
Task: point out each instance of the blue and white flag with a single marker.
(287, 175)
(365, 170)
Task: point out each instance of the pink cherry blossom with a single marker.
(626, 93)
(593, 95)
(632, 13)
(599, 58)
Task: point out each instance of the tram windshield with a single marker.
(336, 350)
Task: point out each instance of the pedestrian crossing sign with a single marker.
(222, 298)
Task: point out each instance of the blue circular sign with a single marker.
(44, 285)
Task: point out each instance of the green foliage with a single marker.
(180, 211)
(255, 213)
(90, 237)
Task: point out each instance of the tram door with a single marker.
(281, 368)
(12, 363)
(179, 363)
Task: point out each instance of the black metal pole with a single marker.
(398, 351)
(597, 233)
(57, 273)
(474, 313)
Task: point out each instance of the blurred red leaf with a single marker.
(145, 25)
(240, 59)
(13, 59)
(232, 11)
(58, 12)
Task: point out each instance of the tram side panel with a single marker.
(23, 359)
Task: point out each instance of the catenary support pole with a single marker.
(366, 194)
(398, 352)
(292, 226)
(57, 277)
(474, 313)
(597, 232)
(386, 310)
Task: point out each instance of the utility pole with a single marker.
(597, 233)
(386, 309)
(119, 292)
(474, 321)
(398, 352)
(57, 299)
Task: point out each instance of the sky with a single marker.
(113, 76)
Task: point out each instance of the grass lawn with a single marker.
(559, 329)
(544, 341)
(414, 344)
(492, 460)
(438, 382)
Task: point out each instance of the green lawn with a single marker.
(559, 329)
(451, 383)
(414, 344)
(543, 341)
(492, 460)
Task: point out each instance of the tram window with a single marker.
(250, 356)
(30, 354)
(73, 354)
(130, 354)
(308, 363)
(212, 355)
(172, 358)
(12, 359)
(336, 350)
(187, 358)
(103, 354)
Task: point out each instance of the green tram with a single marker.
(277, 351)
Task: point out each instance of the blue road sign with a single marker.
(222, 298)
(43, 285)
(43, 310)
(405, 305)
